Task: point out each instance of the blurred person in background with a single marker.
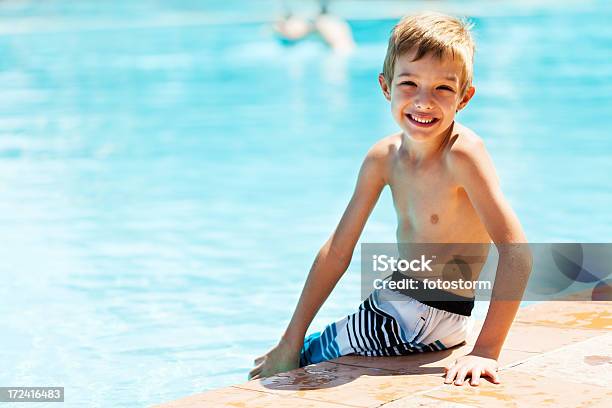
(332, 29)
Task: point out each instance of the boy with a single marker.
(444, 190)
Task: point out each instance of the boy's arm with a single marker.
(335, 256)
(330, 264)
(475, 172)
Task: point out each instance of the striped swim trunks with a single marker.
(383, 327)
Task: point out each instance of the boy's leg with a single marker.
(371, 331)
(320, 346)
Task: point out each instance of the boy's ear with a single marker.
(385, 88)
(466, 98)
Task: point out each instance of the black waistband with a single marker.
(436, 298)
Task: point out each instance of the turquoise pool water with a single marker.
(168, 172)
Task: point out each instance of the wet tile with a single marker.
(350, 385)
(314, 377)
(520, 389)
(587, 362)
(238, 397)
(585, 315)
(432, 363)
(537, 339)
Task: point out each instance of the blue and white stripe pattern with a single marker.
(369, 332)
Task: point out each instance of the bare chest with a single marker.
(423, 196)
(430, 206)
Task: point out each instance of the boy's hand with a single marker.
(473, 366)
(279, 359)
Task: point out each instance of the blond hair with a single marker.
(431, 33)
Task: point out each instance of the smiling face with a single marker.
(426, 94)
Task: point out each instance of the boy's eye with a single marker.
(409, 83)
(446, 88)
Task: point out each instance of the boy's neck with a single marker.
(423, 150)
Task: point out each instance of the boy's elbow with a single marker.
(337, 254)
(519, 254)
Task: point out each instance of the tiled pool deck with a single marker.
(556, 354)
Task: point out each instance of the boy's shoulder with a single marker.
(467, 154)
(385, 148)
(464, 144)
(382, 153)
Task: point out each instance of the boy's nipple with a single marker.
(434, 218)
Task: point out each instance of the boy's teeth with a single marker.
(421, 120)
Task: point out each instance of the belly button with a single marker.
(434, 218)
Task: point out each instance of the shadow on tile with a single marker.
(345, 369)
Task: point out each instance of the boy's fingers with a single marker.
(475, 377)
(461, 376)
(259, 359)
(255, 371)
(255, 377)
(450, 375)
(492, 374)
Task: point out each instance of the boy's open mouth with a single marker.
(421, 121)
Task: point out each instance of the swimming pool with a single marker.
(168, 173)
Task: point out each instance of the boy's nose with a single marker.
(423, 103)
(423, 106)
